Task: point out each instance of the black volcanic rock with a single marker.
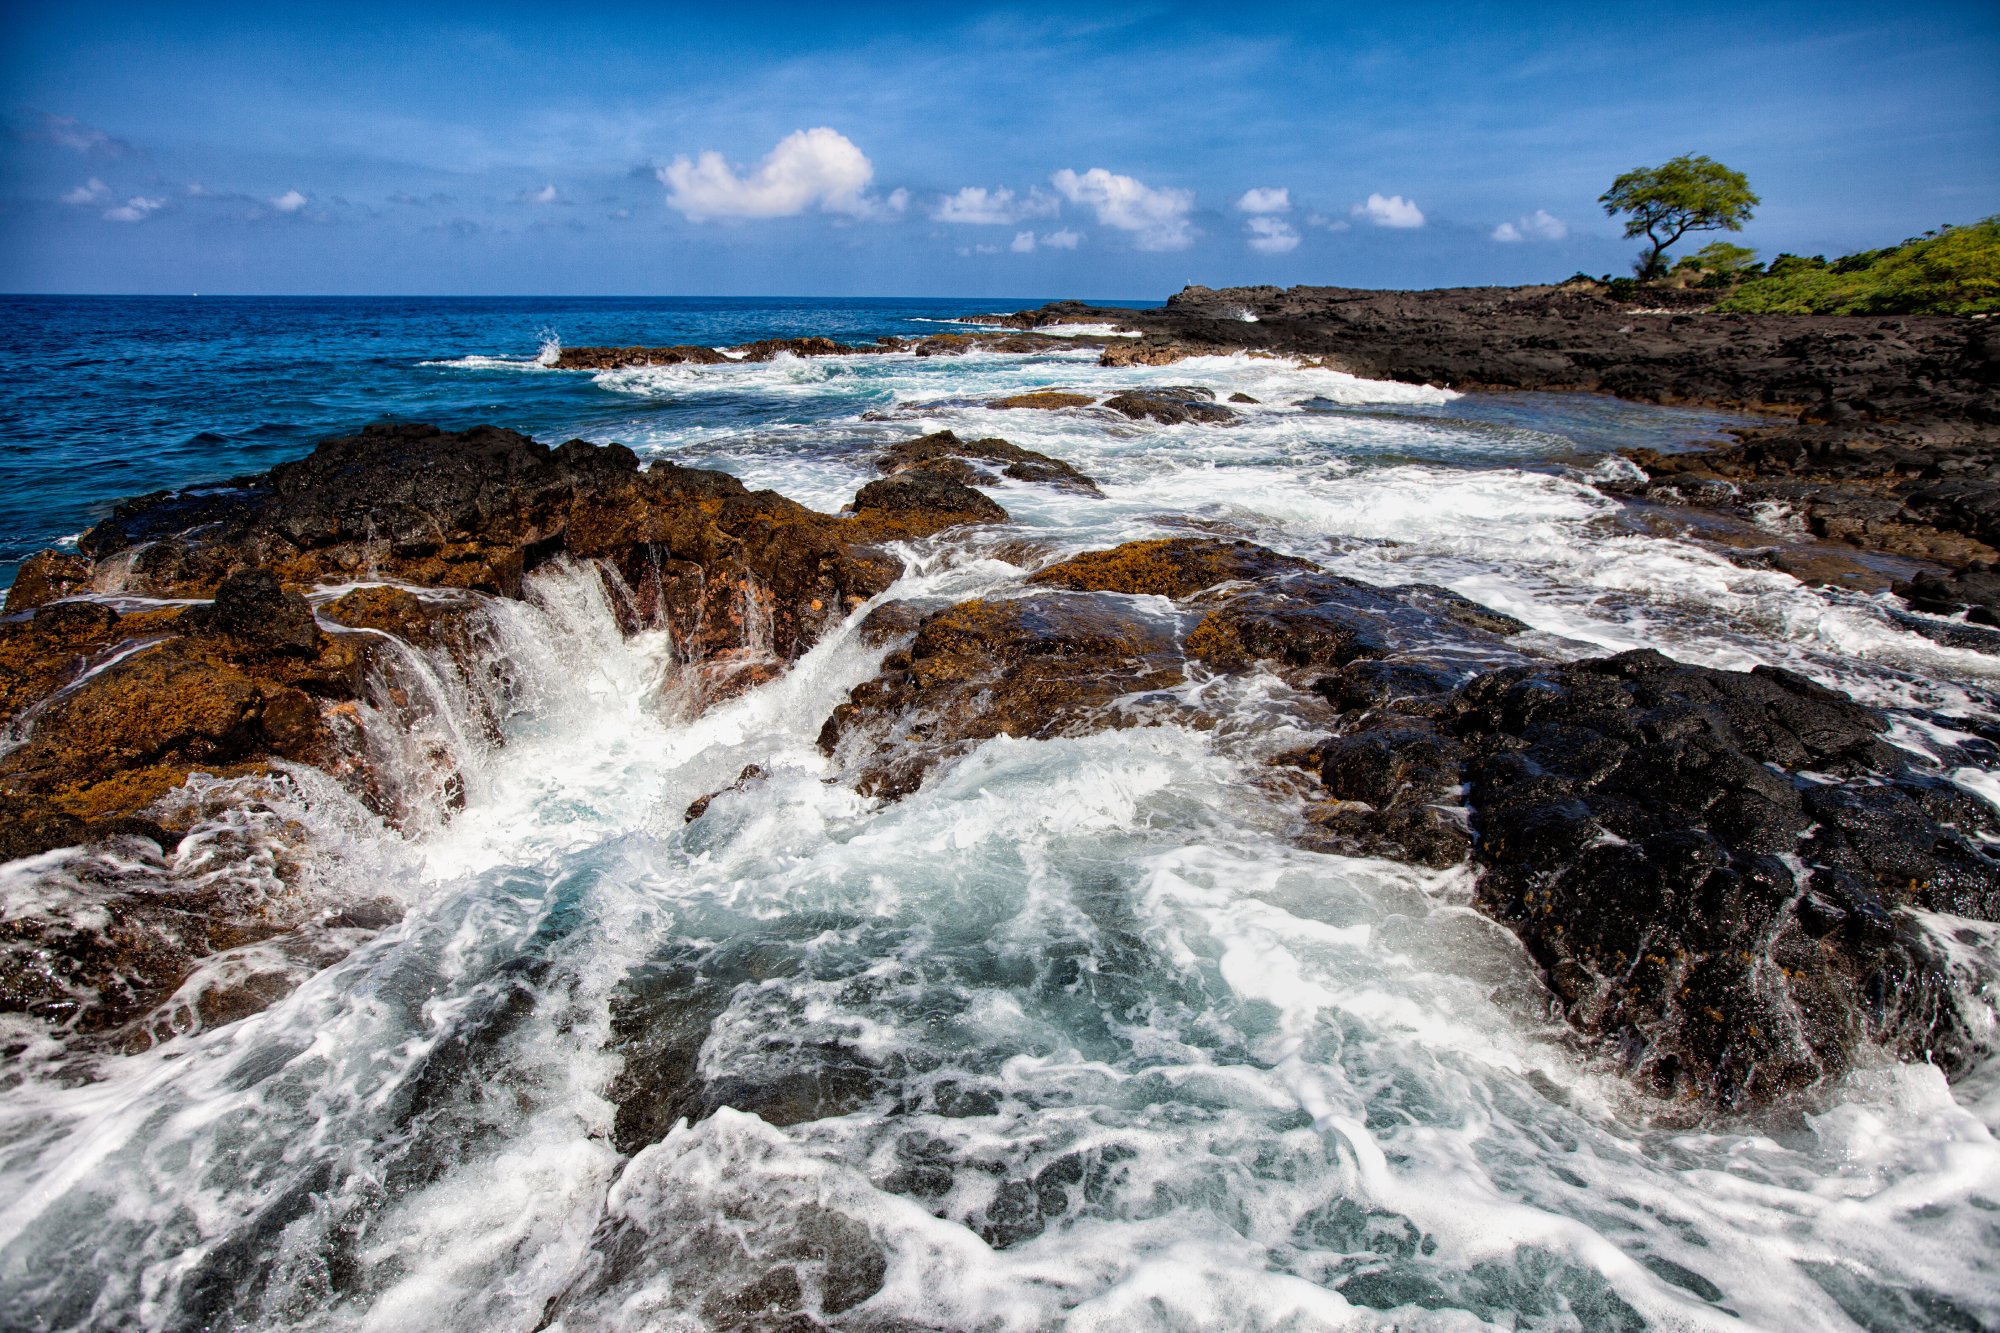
(1170, 406)
(925, 499)
(1714, 869)
(1885, 432)
(1009, 460)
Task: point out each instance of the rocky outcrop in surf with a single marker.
(985, 460)
(625, 358)
(1093, 648)
(1885, 433)
(1716, 871)
(738, 577)
(178, 647)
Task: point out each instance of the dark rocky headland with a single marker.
(1719, 874)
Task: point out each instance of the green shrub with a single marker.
(1950, 271)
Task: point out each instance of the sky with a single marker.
(948, 150)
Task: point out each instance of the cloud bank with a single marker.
(1273, 199)
(974, 204)
(1272, 236)
(809, 168)
(1024, 242)
(1156, 217)
(1539, 225)
(1390, 211)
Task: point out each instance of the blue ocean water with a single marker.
(107, 397)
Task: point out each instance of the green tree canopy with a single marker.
(1666, 202)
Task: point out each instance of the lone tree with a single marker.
(1669, 201)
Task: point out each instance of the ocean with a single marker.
(1075, 1036)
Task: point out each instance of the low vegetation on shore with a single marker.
(1950, 271)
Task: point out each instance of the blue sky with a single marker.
(854, 148)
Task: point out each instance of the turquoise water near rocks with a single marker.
(1074, 1037)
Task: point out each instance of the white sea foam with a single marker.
(1085, 331)
(1074, 1036)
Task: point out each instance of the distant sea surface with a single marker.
(105, 397)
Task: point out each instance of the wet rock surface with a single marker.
(1973, 593)
(621, 358)
(219, 669)
(476, 509)
(108, 711)
(1089, 650)
(1714, 869)
(1885, 432)
(1049, 400)
(983, 459)
(958, 344)
(1170, 406)
(1038, 666)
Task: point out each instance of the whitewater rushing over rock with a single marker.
(624, 1001)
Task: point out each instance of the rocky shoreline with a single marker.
(1884, 433)
(1722, 875)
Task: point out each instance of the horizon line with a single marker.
(538, 296)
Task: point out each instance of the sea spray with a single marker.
(1074, 1035)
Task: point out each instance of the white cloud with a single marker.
(92, 192)
(1536, 226)
(1390, 211)
(1272, 236)
(291, 201)
(973, 204)
(545, 195)
(1273, 199)
(1158, 216)
(135, 209)
(1024, 242)
(808, 167)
